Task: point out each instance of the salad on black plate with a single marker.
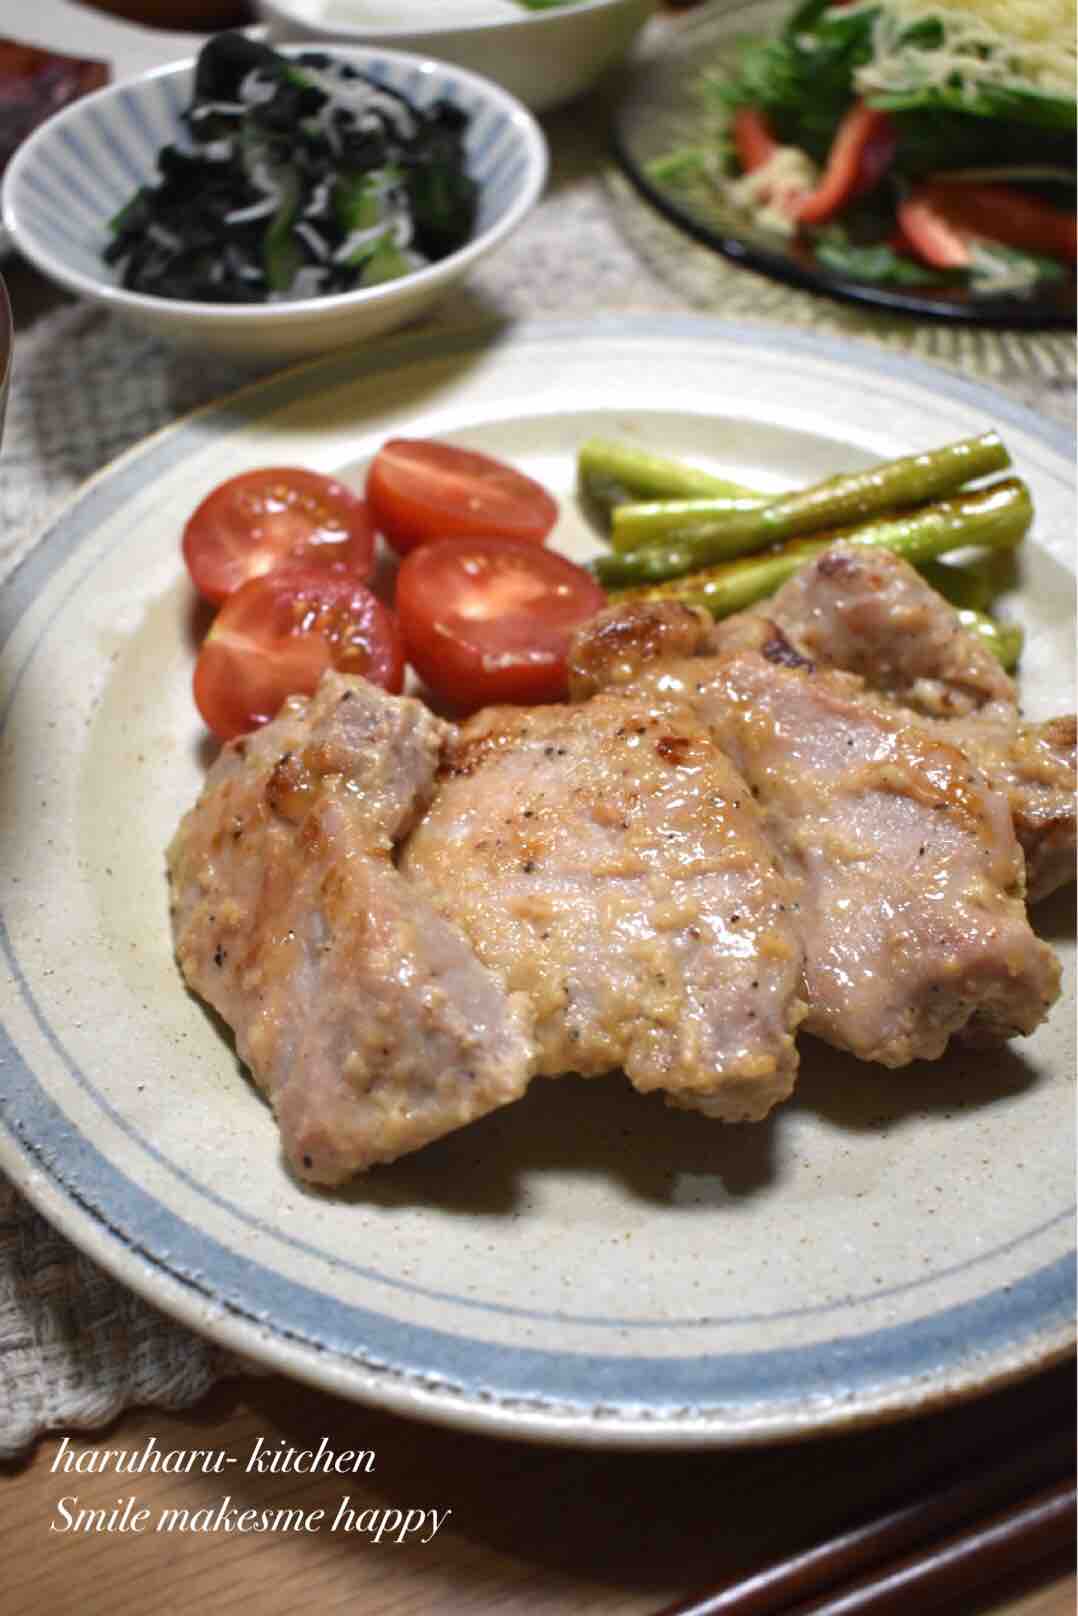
(910, 142)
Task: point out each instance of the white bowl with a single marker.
(7, 340)
(544, 57)
(74, 173)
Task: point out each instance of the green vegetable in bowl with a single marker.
(302, 177)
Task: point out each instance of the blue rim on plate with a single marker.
(486, 1376)
(658, 112)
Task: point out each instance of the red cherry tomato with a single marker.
(420, 490)
(489, 620)
(253, 522)
(276, 636)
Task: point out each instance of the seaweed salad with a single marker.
(302, 177)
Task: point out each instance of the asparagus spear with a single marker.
(612, 474)
(968, 586)
(989, 518)
(700, 532)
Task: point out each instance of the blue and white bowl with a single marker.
(75, 173)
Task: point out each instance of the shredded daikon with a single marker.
(1017, 44)
(767, 192)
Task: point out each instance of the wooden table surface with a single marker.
(531, 1530)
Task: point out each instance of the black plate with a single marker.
(661, 111)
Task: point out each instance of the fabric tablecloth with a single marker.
(75, 1347)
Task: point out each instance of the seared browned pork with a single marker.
(909, 881)
(610, 650)
(609, 864)
(869, 613)
(363, 1014)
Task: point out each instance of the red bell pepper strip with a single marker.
(929, 234)
(860, 155)
(992, 213)
(754, 141)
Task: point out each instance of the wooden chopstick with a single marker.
(1008, 1518)
(977, 1557)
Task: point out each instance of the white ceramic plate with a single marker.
(586, 1265)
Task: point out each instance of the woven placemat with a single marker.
(75, 1347)
(1037, 367)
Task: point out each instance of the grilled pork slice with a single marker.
(607, 862)
(363, 1015)
(610, 650)
(908, 879)
(870, 613)
(1035, 765)
(911, 880)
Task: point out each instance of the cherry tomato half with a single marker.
(277, 635)
(253, 522)
(489, 620)
(420, 490)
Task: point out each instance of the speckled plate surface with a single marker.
(661, 111)
(584, 1266)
